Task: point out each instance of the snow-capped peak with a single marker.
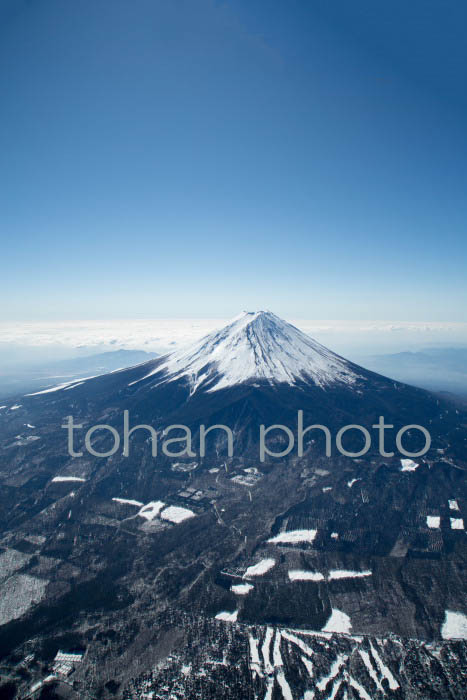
(256, 345)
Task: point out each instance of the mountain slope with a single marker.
(254, 346)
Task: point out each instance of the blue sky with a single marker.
(163, 158)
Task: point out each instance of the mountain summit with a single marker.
(256, 345)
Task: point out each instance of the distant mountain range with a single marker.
(35, 376)
(437, 369)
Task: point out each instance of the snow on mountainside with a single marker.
(254, 346)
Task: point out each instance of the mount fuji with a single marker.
(258, 369)
(254, 346)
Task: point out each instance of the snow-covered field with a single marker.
(128, 501)
(344, 573)
(67, 478)
(408, 465)
(457, 523)
(176, 514)
(151, 510)
(259, 569)
(433, 521)
(334, 574)
(299, 575)
(338, 622)
(154, 509)
(241, 588)
(454, 625)
(293, 536)
(227, 617)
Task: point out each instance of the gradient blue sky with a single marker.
(168, 158)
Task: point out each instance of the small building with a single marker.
(65, 662)
(66, 658)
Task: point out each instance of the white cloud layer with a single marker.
(162, 335)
